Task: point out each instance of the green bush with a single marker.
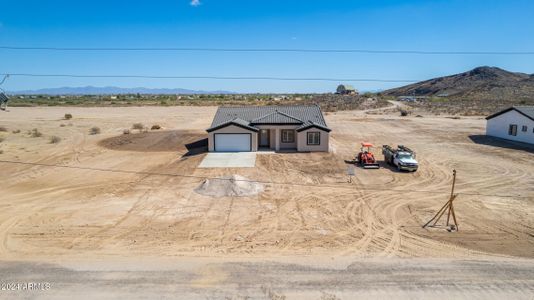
(138, 126)
(94, 130)
(35, 133)
(55, 139)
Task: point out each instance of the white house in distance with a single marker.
(515, 123)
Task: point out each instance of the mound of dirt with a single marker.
(154, 141)
(229, 186)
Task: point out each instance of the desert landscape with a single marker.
(110, 195)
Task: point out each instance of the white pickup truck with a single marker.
(402, 157)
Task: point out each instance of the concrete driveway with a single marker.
(229, 160)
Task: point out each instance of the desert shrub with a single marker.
(3, 129)
(94, 130)
(126, 131)
(1, 151)
(138, 126)
(62, 125)
(35, 133)
(418, 116)
(403, 113)
(1, 139)
(68, 116)
(55, 139)
(16, 131)
(155, 127)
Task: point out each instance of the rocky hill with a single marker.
(482, 83)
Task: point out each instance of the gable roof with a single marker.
(276, 117)
(237, 122)
(527, 111)
(312, 124)
(265, 115)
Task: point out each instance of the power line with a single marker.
(295, 50)
(249, 180)
(214, 77)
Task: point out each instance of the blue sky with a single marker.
(446, 25)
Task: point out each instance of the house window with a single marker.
(512, 130)
(314, 138)
(524, 128)
(288, 136)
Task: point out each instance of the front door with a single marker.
(264, 138)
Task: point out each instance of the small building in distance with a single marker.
(515, 123)
(345, 89)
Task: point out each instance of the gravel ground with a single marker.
(199, 278)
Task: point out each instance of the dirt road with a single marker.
(109, 195)
(266, 279)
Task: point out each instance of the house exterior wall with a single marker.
(232, 129)
(302, 141)
(276, 136)
(498, 127)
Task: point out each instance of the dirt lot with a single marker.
(88, 208)
(111, 194)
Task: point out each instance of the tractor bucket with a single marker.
(371, 166)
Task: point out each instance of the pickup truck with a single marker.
(402, 157)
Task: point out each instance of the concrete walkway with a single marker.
(229, 160)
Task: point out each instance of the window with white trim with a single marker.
(288, 136)
(314, 138)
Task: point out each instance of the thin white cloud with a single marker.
(195, 3)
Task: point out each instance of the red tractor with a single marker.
(365, 158)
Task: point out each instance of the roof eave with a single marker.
(232, 123)
(315, 126)
(507, 110)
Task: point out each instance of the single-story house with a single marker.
(345, 89)
(241, 129)
(515, 123)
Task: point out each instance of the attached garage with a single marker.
(246, 129)
(233, 142)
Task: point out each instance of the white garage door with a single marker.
(225, 142)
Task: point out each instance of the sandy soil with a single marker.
(123, 195)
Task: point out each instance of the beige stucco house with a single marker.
(242, 129)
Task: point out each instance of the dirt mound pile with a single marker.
(229, 186)
(155, 141)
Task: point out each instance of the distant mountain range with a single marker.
(111, 90)
(482, 83)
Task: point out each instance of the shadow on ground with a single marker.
(501, 143)
(196, 147)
